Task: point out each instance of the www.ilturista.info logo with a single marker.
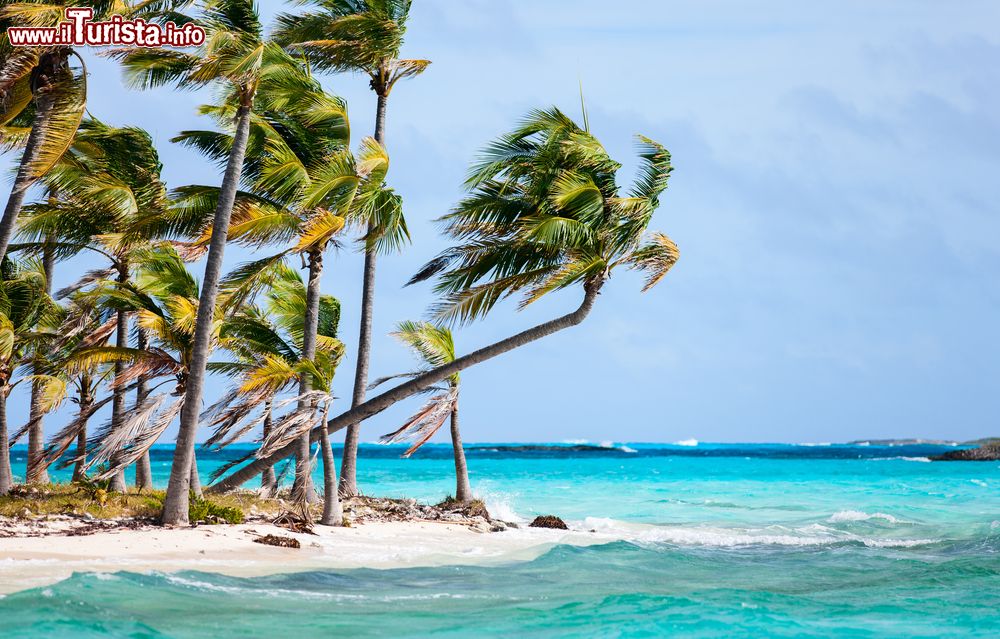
(79, 30)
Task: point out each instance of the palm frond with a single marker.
(424, 423)
(655, 259)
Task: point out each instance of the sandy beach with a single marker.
(35, 561)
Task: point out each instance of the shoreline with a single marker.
(36, 561)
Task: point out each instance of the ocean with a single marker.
(715, 540)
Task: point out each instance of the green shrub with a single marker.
(203, 510)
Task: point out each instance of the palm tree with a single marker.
(300, 181)
(112, 201)
(356, 36)
(236, 57)
(251, 338)
(270, 350)
(42, 97)
(83, 324)
(165, 298)
(435, 346)
(544, 213)
(23, 305)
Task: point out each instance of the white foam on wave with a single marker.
(909, 459)
(811, 444)
(979, 482)
(199, 584)
(813, 535)
(499, 504)
(607, 443)
(576, 442)
(686, 442)
(106, 576)
(858, 515)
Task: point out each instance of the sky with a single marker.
(834, 199)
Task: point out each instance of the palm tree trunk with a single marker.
(37, 472)
(175, 507)
(333, 512)
(463, 491)
(348, 470)
(81, 437)
(143, 467)
(268, 480)
(44, 103)
(303, 480)
(6, 474)
(195, 487)
(118, 403)
(407, 389)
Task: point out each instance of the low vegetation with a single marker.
(91, 499)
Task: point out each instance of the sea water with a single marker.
(712, 541)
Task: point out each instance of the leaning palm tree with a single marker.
(356, 36)
(435, 346)
(23, 305)
(270, 359)
(544, 213)
(111, 202)
(164, 297)
(42, 96)
(236, 57)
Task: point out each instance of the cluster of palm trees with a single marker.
(543, 212)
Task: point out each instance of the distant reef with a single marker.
(902, 442)
(985, 441)
(988, 452)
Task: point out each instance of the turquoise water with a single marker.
(714, 541)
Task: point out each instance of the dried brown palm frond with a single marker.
(189, 251)
(228, 416)
(283, 430)
(141, 363)
(230, 435)
(111, 439)
(422, 425)
(90, 277)
(287, 429)
(145, 438)
(97, 336)
(62, 440)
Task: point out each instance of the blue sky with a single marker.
(835, 201)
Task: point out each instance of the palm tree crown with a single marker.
(545, 213)
(353, 35)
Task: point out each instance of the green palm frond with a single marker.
(347, 36)
(319, 230)
(654, 171)
(69, 98)
(432, 343)
(246, 281)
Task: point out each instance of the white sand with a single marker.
(29, 562)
